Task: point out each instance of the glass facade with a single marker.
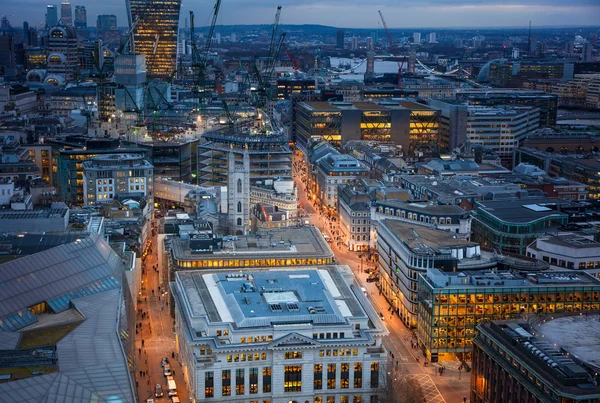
(156, 34)
(232, 263)
(447, 317)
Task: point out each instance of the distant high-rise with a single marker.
(63, 55)
(51, 16)
(80, 17)
(66, 14)
(156, 34)
(354, 43)
(106, 26)
(586, 52)
(432, 38)
(32, 38)
(370, 71)
(340, 39)
(417, 37)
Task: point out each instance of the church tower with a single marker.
(238, 194)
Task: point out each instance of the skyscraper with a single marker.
(80, 17)
(340, 39)
(156, 34)
(51, 16)
(107, 30)
(417, 37)
(66, 14)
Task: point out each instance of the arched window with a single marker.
(239, 207)
(442, 221)
(239, 221)
(239, 186)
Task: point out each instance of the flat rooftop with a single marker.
(263, 298)
(418, 237)
(561, 331)
(507, 279)
(33, 214)
(288, 242)
(572, 241)
(523, 210)
(424, 207)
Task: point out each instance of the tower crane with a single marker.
(393, 47)
(200, 60)
(291, 57)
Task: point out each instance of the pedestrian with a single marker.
(140, 351)
(140, 374)
(173, 354)
(173, 372)
(148, 381)
(142, 342)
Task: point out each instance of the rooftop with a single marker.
(524, 210)
(561, 351)
(422, 238)
(424, 207)
(507, 279)
(291, 242)
(270, 297)
(33, 214)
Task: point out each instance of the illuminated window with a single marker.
(292, 378)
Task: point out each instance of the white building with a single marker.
(417, 37)
(406, 250)
(432, 38)
(238, 194)
(277, 336)
(117, 177)
(501, 128)
(575, 251)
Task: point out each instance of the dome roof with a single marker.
(62, 31)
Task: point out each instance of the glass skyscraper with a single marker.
(156, 34)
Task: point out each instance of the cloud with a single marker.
(348, 13)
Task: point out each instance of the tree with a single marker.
(397, 386)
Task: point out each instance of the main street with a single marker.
(452, 386)
(155, 337)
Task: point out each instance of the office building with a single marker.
(81, 283)
(63, 55)
(107, 30)
(406, 250)
(339, 39)
(546, 103)
(294, 246)
(130, 77)
(510, 226)
(33, 221)
(567, 250)
(280, 193)
(501, 129)
(51, 16)
(551, 362)
(156, 34)
(432, 38)
(278, 335)
(270, 156)
(452, 304)
(286, 87)
(66, 14)
(408, 124)
(80, 18)
(117, 177)
(417, 37)
(333, 170)
(453, 122)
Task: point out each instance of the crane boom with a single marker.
(211, 30)
(291, 57)
(274, 34)
(393, 47)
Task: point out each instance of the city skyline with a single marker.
(352, 14)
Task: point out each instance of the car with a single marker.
(167, 370)
(158, 390)
(149, 400)
(172, 393)
(372, 278)
(170, 378)
(174, 399)
(164, 361)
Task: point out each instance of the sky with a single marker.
(348, 13)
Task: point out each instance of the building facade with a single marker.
(332, 171)
(451, 305)
(406, 250)
(518, 361)
(510, 226)
(280, 339)
(156, 34)
(117, 177)
(63, 55)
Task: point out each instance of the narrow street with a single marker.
(452, 386)
(155, 338)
